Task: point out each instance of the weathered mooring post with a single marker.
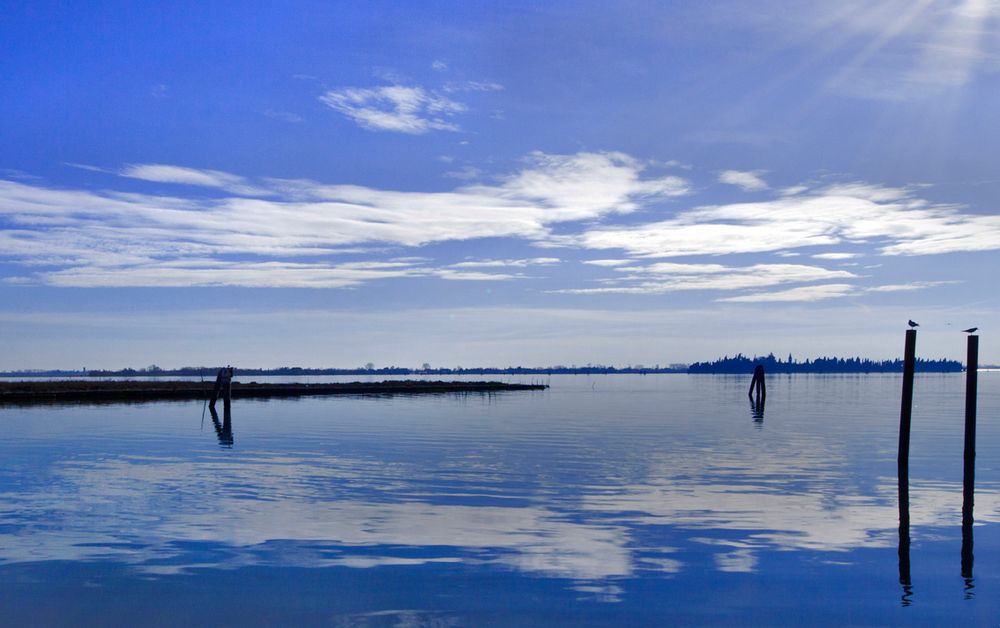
(223, 385)
(906, 407)
(758, 389)
(969, 476)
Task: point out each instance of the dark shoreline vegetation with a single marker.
(742, 364)
(21, 392)
(737, 364)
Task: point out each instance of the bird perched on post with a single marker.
(912, 324)
(970, 330)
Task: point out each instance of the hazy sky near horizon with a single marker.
(479, 183)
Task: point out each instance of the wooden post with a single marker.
(969, 477)
(216, 389)
(906, 407)
(227, 389)
(758, 389)
(903, 466)
(757, 393)
(223, 385)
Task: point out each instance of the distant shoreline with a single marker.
(737, 365)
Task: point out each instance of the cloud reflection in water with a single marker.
(167, 515)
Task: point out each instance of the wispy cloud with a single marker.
(804, 293)
(907, 287)
(398, 108)
(748, 181)
(669, 277)
(507, 263)
(162, 173)
(831, 291)
(474, 86)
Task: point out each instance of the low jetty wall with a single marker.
(22, 393)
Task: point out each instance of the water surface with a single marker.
(605, 500)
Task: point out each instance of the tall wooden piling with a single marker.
(969, 477)
(906, 407)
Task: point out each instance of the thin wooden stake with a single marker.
(906, 407)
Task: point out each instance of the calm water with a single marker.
(607, 500)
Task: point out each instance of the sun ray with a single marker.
(892, 31)
(950, 56)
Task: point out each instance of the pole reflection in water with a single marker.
(223, 430)
(757, 411)
(968, 493)
(970, 582)
(904, 540)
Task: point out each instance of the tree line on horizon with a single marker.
(743, 364)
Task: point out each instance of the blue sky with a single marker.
(472, 183)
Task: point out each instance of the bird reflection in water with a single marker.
(223, 430)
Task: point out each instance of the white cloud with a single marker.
(465, 275)
(748, 181)
(439, 66)
(608, 262)
(893, 220)
(836, 256)
(110, 238)
(805, 293)
(398, 108)
(298, 233)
